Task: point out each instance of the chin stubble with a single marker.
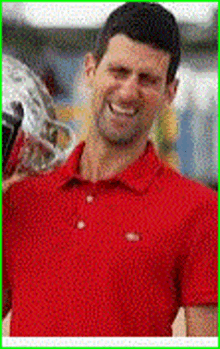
(118, 140)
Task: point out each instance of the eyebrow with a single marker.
(118, 66)
(153, 76)
(141, 74)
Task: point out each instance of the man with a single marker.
(118, 241)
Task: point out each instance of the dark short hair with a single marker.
(146, 22)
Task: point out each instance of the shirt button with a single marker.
(81, 225)
(132, 237)
(89, 199)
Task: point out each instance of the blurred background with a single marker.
(52, 39)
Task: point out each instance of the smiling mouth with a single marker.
(128, 112)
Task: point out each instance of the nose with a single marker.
(129, 89)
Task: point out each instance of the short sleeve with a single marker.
(199, 268)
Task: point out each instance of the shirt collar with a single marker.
(140, 173)
(137, 176)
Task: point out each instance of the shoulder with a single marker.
(32, 188)
(45, 183)
(187, 201)
(193, 207)
(187, 189)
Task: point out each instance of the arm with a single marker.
(199, 271)
(7, 294)
(202, 321)
(6, 184)
(6, 302)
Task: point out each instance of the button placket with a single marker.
(81, 223)
(84, 209)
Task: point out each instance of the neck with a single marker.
(101, 160)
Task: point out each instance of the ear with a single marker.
(171, 90)
(90, 68)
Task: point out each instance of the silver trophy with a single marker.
(31, 133)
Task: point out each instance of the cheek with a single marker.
(96, 95)
(102, 93)
(97, 101)
(105, 84)
(153, 100)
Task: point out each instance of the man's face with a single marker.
(128, 89)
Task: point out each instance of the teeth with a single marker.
(120, 110)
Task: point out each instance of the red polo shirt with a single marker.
(115, 258)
